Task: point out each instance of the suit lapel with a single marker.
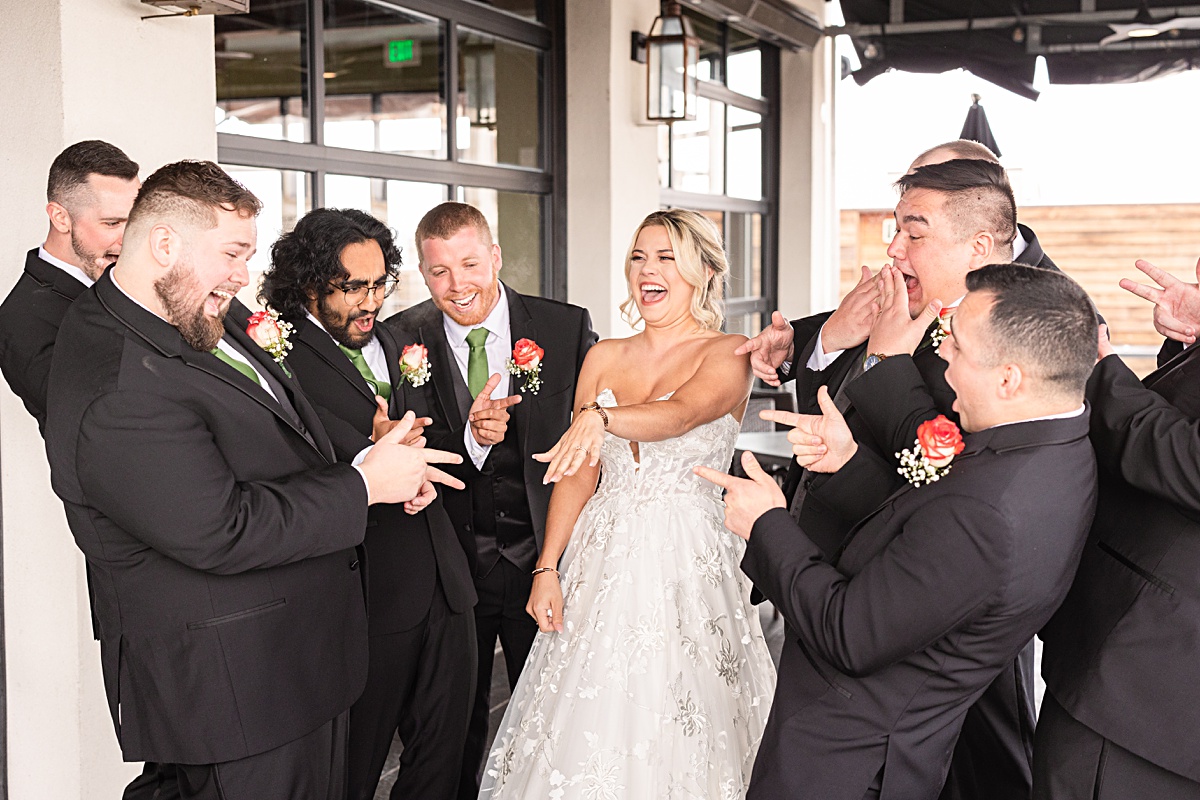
(52, 277)
(441, 364)
(327, 350)
(391, 354)
(521, 326)
(1175, 363)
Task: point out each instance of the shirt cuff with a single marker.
(478, 452)
(358, 469)
(819, 359)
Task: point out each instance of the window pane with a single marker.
(745, 324)
(743, 243)
(664, 156)
(745, 154)
(261, 73)
(286, 197)
(384, 80)
(744, 65)
(698, 150)
(407, 202)
(498, 111)
(708, 31)
(516, 222)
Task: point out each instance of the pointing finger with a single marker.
(782, 417)
(722, 479)
(446, 479)
(1159, 276)
(1141, 290)
(400, 430)
(440, 457)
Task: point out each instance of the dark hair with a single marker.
(979, 196)
(1042, 320)
(70, 169)
(188, 193)
(307, 259)
(445, 220)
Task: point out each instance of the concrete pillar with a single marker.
(808, 215)
(612, 163)
(75, 69)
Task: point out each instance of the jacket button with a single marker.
(354, 565)
(467, 528)
(500, 514)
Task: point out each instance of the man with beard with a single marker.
(204, 492)
(90, 189)
(472, 325)
(328, 278)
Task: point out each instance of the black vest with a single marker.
(503, 527)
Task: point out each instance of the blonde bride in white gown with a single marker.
(650, 678)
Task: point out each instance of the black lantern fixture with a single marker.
(672, 58)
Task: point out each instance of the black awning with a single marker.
(1083, 41)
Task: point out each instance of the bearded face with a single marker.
(180, 294)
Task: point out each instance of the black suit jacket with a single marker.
(29, 320)
(934, 595)
(1033, 255)
(406, 555)
(565, 333)
(1121, 654)
(221, 537)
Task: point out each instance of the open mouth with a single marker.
(652, 293)
(217, 302)
(912, 284)
(465, 304)
(364, 324)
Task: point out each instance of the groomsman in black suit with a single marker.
(89, 192)
(953, 217)
(471, 325)
(1122, 702)
(328, 277)
(203, 489)
(938, 588)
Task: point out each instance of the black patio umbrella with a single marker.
(976, 127)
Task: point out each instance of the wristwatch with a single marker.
(872, 360)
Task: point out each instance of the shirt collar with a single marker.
(112, 274)
(72, 270)
(496, 322)
(1064, 415)
(1019, 245)
(370, 345)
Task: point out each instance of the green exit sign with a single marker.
(400, 51)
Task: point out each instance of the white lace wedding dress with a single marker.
(660, 684)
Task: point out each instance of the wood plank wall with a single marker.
(1096, 245)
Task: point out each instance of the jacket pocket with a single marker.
(236, 615)
(1147, 576)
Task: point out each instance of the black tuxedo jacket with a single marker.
(934, 595)
(1033, 255)
(1121, 654)
(29, 320)
(565, 333)
(826, 524)
(220, 531)
(406, 555)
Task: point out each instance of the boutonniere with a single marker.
(270, 333)
(526, 360)
(942, 330)
(414, 364)
(938, 441)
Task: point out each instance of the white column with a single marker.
(808, 215)
(612, 153)
(74, 69)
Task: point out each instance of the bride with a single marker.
(650, 677)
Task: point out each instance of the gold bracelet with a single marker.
(540, 570)
(596, 407)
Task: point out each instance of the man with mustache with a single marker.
(88, 194)
(328, 277)
(205, 494)
(953, 217)
(471, 325)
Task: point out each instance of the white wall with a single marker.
(74, 69)
(612, 153)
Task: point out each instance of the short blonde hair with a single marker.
(699, 257)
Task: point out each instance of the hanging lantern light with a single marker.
(672, 58)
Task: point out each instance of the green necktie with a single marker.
(240, 366)
(381, 388)
(477, 363)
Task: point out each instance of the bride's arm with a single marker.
(566, 502)
(720, 386)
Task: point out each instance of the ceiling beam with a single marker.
(985, 23)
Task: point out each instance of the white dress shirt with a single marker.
(498, 347)
(1019, 245)
(72, 270)
(372, 352)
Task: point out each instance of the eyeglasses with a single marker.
(355, 292)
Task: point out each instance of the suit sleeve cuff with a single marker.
(819, 359)
(477, 452)
(363, 475)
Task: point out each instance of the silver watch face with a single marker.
(871, 361)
